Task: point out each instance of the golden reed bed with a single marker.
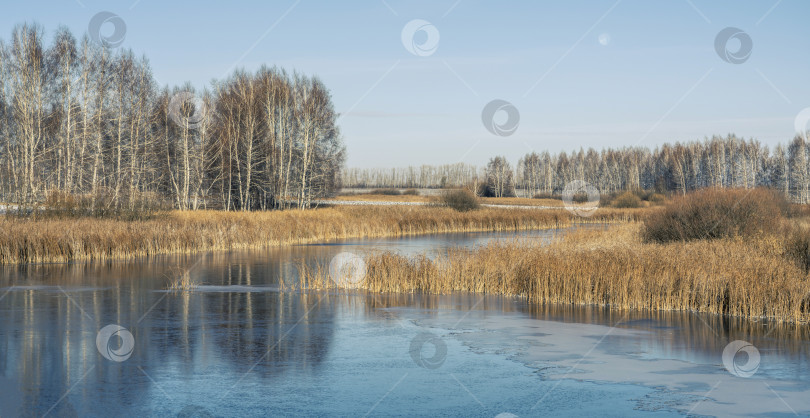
(737, 277)
(59, 240)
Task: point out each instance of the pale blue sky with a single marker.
(654, 78)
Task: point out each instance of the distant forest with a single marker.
(717, 162)
(81, 121)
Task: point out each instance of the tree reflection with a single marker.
(52, 314)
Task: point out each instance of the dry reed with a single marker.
(183, 282)
(25, 240)
(735, 277)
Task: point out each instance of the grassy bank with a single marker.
(25, 240)
(615, 268)
(736, 252)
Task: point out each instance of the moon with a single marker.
(604, 39)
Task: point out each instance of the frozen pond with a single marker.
(237, 346)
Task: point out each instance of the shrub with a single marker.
(543, 195)
(386, 192)
(798, 210)
(715, 213)
(609, 199)
(411, 192)
(657, 199)
(606, 199)
(461, 200)
(579, 197)
(644, 195)
(486, 190)
(627, 200)
(481, 190)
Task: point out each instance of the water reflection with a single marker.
(237, 330)
(49, 331)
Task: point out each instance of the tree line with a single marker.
(82, 119)
(726, 162)
(425, 176)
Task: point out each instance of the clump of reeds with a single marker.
(310, 277)
(182, 282)
(614, 268)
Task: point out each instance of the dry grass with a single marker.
(614, 268)
(24, 240)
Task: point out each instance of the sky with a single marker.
(412, 79)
